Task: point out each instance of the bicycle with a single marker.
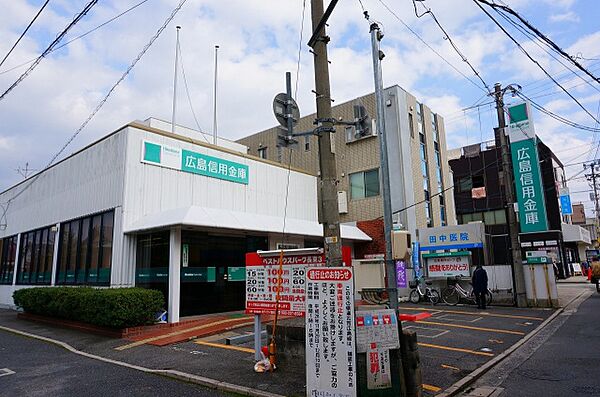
(454, 292)
(418, 292)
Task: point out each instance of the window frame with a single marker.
(365, 190)
(83, 267)
(8, 259)
(33, 252)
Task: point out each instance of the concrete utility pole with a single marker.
(329, 215)
(390, 268)
(592, 178)
(519, 276)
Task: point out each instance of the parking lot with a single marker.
(453, 341)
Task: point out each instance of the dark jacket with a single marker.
(480, 280)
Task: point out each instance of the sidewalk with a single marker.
(561, 360)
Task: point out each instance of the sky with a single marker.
(259, 41)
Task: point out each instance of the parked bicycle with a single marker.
(421, 292)
(454, 292)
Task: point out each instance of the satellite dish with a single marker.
(279, 105)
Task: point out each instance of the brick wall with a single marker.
(374, 229)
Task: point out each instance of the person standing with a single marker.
(480, 286)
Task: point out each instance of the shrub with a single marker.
(106, 307)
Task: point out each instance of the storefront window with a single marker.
(85, 250)
(8, 254)
(37, 251)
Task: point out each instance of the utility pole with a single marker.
(175, 82)
(518, 273)
(390, 268)
(592, 178)
(215, 96)
(329, 215)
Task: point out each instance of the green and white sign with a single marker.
(193, 162)
(526, 168)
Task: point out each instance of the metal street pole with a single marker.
(329, 215)
(518, 273)
(175, 82)
(390, 269)
(215, 96)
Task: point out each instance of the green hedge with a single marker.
(106, 307)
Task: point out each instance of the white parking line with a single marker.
(458, 318)
(425, 335)
(6, 371)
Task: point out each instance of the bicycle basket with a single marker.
(413, 284)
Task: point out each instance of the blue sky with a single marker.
(259, 43)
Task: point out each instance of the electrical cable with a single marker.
(187, 91)
(542, 36)
(430, 47)
(300, 49)
(532, 59)
(98, 107)
(447, 37)
(79, 37)
(58, 38)
(24, 32)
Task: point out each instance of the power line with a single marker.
(532, 59)
(429, 46)
(80, 36)
(447, 36)
(24, 32)
(98, 107)
(300, 49)
(187, 91)
(58, 38)
(545, 39)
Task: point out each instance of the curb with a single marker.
(173, 374)
(460, 385)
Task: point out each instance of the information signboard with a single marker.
(262, 278)
(376, 326)
(330, 346)
(448, 264)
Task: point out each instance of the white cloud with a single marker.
(564, 17)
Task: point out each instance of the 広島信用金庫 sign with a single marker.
(194, 163)
(529, 190)
(330, 342)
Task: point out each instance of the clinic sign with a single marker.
(448, 264)
(194, 162)
(526, 168)
(471, 235)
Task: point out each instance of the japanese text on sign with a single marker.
(262, 284)
(330, 357)
(448, 266)
(377, 326)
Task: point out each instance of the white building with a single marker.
(145, 207)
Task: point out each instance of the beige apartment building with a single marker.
(420, 176)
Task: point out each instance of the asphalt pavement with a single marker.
(29, 367)
(562, 360)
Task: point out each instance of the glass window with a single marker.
(465, 184)
(443, 215)
(35, 258)
(478, 216)
(107, 239)
(411, 125)
(500, 217)
(85, 250)
(357, 185)
(8, 254)
(364, 184)
(307, 142)
(489, 218)
(262, 152)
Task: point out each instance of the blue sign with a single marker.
(565, 205)
(415, 259)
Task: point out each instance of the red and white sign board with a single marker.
(262, 278)
(330, 346)
(450, 266)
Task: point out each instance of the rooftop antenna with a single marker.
(175, 81)
(25, 172)
(215, 97)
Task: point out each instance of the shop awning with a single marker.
(576, 234)
(225, 219)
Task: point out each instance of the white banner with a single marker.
(330, 347)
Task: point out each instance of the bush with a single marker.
(106, 307)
